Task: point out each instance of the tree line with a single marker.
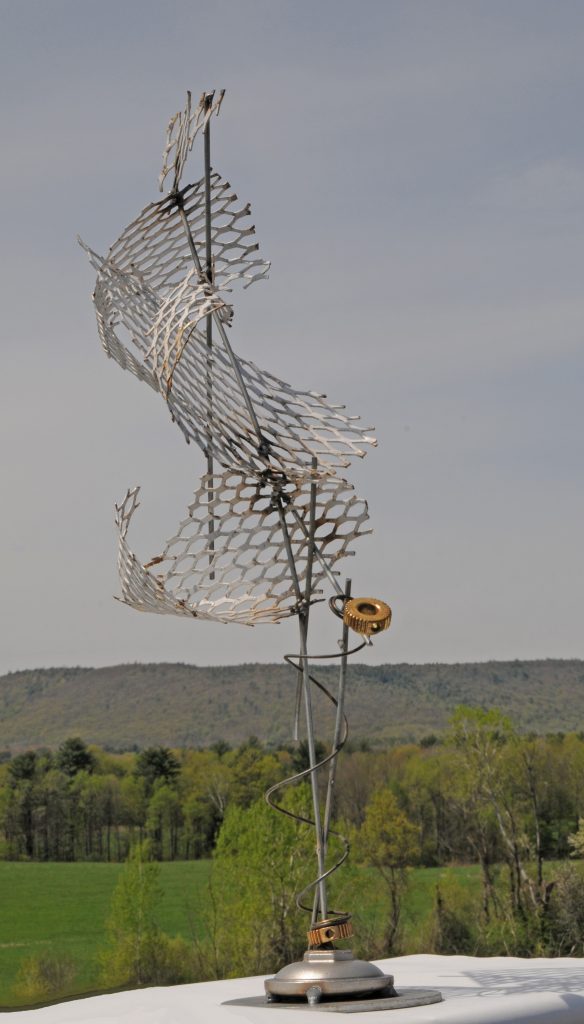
(480, 793)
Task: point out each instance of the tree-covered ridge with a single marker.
(178, 705)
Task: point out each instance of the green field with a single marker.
(64, 908)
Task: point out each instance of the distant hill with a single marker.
(186, 705)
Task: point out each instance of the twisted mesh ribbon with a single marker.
(182, 131)
(229, 559)
(238, 571)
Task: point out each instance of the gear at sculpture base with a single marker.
(228, 561)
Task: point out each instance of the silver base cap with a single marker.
(328, 972)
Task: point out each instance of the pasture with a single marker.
(64, 908)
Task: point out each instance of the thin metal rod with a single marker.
(209, 382)
(263, 444)
(289, 554)
(320, 896)
(308, 584)
(297, 706)
(326, 567)
(311, 530)
(303, 614)
(321, 891)
(301, 606)
(207, 149)
(339, 723)
(320, 557)
(320, 899)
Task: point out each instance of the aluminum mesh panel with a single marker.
(187, 304)
(155, 245)
(182, 130)
(238, 570)
(163, 306)
(202, 389)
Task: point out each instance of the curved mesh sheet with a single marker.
(165, 349)
(238, 570)
(176, 318)
(182, 131)
(155, 245)
(155, 299)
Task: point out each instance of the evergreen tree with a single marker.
(73, 756)
(156, 763)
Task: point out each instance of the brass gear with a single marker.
(328, 930)
(367, 615)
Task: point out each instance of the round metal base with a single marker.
(328, 972)
(403, 999)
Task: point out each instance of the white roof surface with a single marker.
(493, 990)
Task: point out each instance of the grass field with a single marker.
(64, 907)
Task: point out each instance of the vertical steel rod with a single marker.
(209, 275)
(338, 723)
(328, 809)
(318, 554)
(311, 530)
(290, 554)
(320, 899)
(308, 584)
(320, 903)
(221, 330)
(299, 599)
(303, 615)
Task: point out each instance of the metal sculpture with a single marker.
(271, 517)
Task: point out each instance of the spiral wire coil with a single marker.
(336, 920)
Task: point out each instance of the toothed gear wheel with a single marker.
(367, 615)
(329, 930)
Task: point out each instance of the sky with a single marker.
(416, 173)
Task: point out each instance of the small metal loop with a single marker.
(333, 604)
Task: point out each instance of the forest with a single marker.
(480, 792)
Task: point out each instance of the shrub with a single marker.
(139, 952)
(451, 926)
(564, 923)
(45, 976)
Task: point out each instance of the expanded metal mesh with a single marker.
(152, 258)
(187, 304)
(154, 305)
(140, 294)
(182, 130)
(228, 559)
(155, 244)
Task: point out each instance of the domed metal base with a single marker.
(328, 972)
(403, 999)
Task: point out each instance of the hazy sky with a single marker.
(416, 171)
